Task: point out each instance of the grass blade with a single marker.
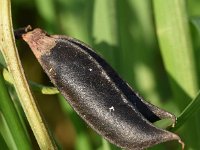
(177, 52)
(175, 45)
(188, 112)
(196, 23)
(5, 132)
(3, 143)
(11, 116)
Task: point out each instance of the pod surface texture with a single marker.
(97, 93)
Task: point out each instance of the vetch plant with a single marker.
(125, 34)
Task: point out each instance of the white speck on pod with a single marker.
(50, 69)
(111, 109)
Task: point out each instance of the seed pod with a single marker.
(97, 93)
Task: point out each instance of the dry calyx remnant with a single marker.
(97, 93)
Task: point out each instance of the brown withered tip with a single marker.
(182, 144)
(39, 41)
(19, 32)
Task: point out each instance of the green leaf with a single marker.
(176, 47)
(172, 26)
(188, 112)
(12, 119)
(196, 23)
(3, 143)
(105, 145)
(5, 132)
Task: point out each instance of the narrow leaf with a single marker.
(11, 116)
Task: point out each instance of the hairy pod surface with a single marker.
(97, 93)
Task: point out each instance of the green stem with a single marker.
(188, 112)
(27, 101)
(35, 86)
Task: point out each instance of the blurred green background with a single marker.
(124, 33)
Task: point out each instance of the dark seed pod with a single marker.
(97, 93)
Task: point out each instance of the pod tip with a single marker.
(19, 32)
(179, 141)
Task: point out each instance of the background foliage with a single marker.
(153, 45)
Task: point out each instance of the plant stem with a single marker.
(188, 112)
(10, 53)
(35, 86)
